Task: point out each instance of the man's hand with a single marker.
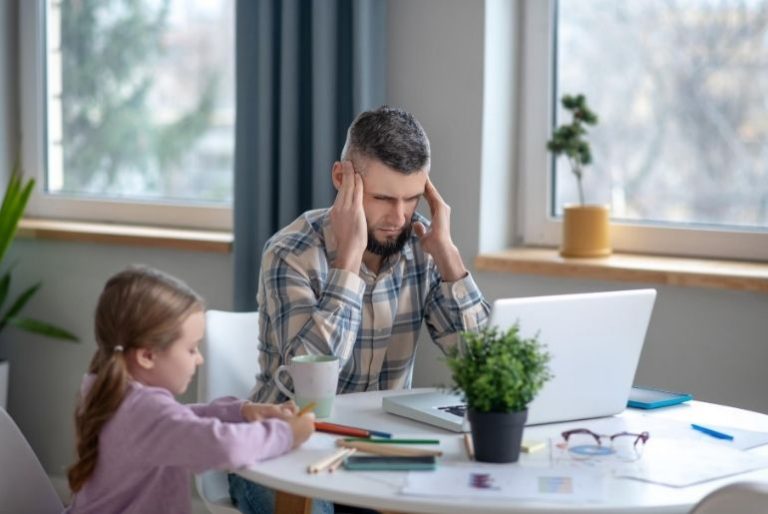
(261, 411)
(348, 220)
(437, 240)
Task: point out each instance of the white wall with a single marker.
(711, 343)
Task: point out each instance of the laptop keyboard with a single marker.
(456, 410)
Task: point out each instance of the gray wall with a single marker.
(711, 343)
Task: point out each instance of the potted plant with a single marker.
(498, 374)
(586, 228)
(14, 202)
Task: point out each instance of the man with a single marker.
(358, 279)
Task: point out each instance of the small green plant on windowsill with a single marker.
(569, 139)
(12, 209)
(499, 371)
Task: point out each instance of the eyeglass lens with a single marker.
(585, 443)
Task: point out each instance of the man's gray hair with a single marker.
(389, 135)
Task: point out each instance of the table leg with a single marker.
(286, 503)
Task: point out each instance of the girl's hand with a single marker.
(261, 411)
(302, 427)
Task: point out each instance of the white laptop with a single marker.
(595, 340)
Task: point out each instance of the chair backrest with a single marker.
(738, 498)
(24, 485)
(231, 352)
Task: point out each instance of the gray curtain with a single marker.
(304, 70)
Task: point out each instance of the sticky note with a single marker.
(532, 446)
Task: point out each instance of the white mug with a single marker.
(315, 378)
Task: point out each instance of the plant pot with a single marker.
(497, 436)
(586, 231)
(4, 366)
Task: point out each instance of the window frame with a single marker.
(34, 152)
(536, 226)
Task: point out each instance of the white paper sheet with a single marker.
(680, 462)
(551, 485)
(676, 455)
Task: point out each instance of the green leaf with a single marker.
(14, 203)
(499, 371)
(12, 209)
(5, 284)
(22, 300)
(40, 327)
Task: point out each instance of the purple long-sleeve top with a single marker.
(152, 443)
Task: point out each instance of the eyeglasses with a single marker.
(583, 443)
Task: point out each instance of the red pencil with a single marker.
(333, 428)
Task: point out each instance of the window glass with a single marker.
(140, 99)
(680, 90)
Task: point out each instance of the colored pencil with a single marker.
(394, 441)
(469, 446)
(330, 460)
(335, 428)
(378, 449)
(333, 467)
(307, 408)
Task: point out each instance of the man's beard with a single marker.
(388, 248)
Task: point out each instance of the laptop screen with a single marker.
(595, 340)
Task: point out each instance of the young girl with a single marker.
(135, 444)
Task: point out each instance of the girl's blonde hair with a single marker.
(138, 308)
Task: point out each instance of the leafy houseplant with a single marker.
(12, 209)
(498, 374)
(569, 139)
(586, 228)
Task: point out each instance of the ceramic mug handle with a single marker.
(287, 392)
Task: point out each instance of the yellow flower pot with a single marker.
(586, 231)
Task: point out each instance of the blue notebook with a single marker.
(648, 398)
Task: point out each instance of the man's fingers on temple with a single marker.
(358, 189)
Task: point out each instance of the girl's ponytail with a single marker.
(97, 407)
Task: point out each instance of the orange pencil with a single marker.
(333, 428)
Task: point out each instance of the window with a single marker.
(681, 148)
(129, 110)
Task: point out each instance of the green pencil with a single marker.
(394, 441)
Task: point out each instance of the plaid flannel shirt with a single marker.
(372, 322)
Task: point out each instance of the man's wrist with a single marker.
(450, 264)
(349, 264)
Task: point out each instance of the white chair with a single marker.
(738, 498)
(231, 357)
(24, 485)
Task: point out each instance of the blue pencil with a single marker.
(713, 433)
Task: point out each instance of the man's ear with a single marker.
(145, 358)
(336, 174)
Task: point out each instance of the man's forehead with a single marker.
(397, 185)
(381, 179)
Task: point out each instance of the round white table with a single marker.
(381, 490)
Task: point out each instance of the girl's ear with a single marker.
(145, 358)
(336, 174)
